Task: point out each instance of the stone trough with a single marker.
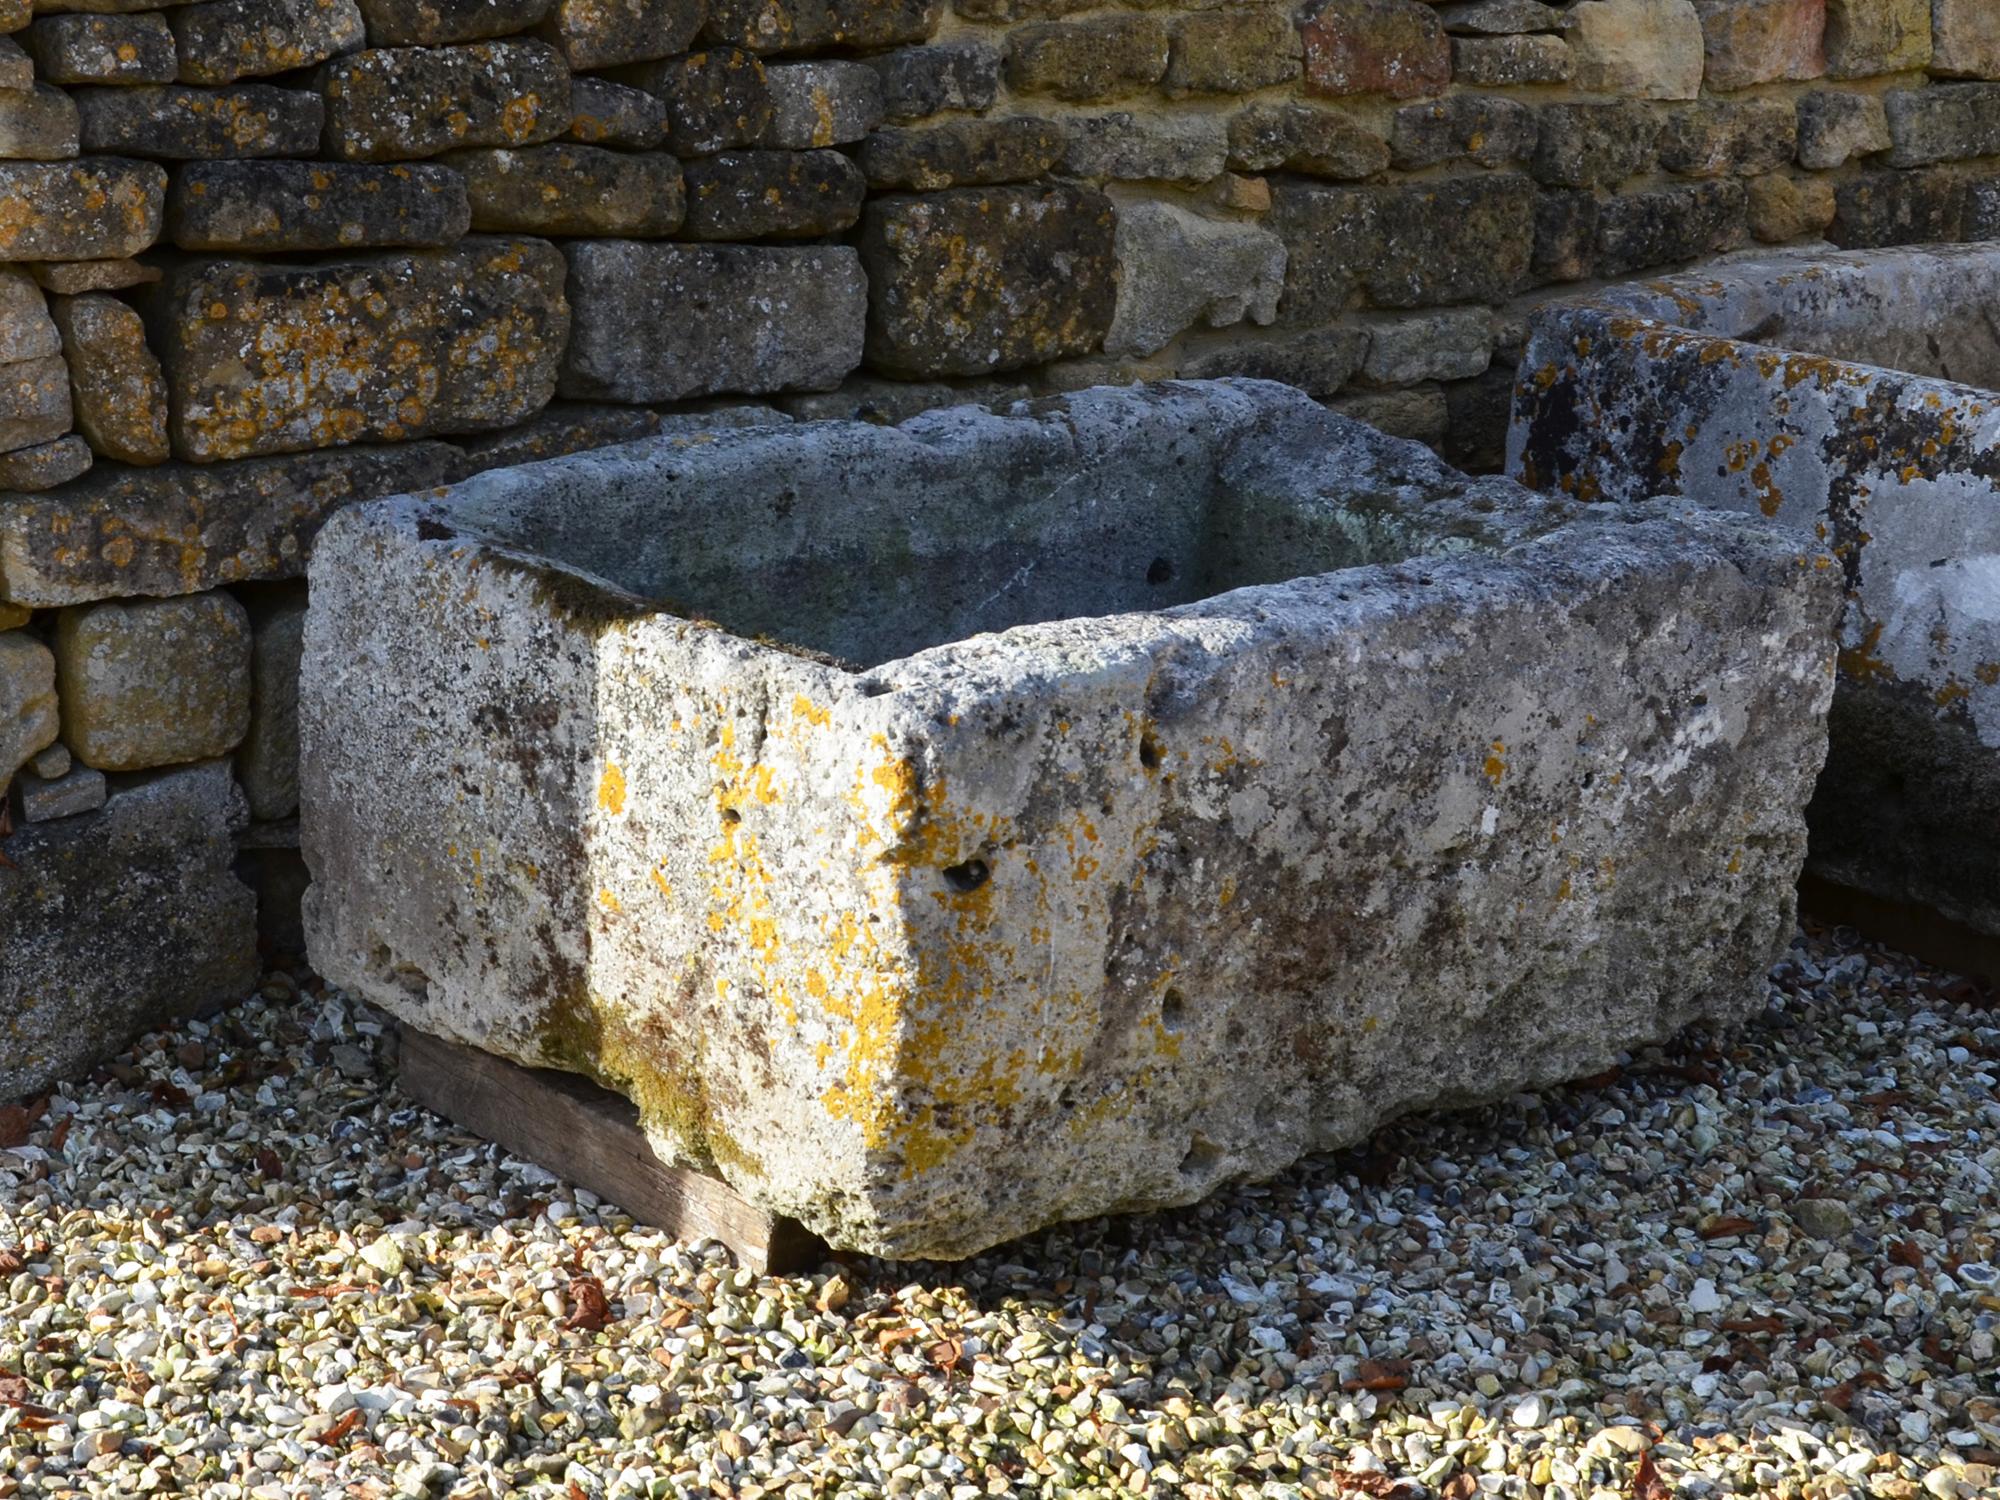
(1855, 395)
(946, 830)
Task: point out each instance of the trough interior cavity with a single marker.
(869, 545)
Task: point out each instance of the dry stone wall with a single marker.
(262, 258)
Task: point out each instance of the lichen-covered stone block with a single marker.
(603, 33)
(961, 153)
(282, 359)
(1865, 38)
(85, 210)
(148, 878)
(44, 466)
(825, 103)
(34, 402)
(101, 49)
(1836, 126)
(978, 280)
(811, 25)
(153, 682)
(277, 206)
(1747, 42)
(398, 103)
(1849, 395)
(1951, 123)
(1177, 269)
(39, 124)
(1392, 47)
(116, 390)
(28, 712)
(1306, 138)
(1021, 816)
(772, 195)
(1473, 127)
(566, 189)
(714, 99)
(666, 322)
(221, 41)
(918, 82)
(178, 123)
(436, 23)
(603, 113)
(1508, 61)
(1085, 61)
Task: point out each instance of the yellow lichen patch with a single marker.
(1861, 664)
(611, 789)
(1952, 692)
(1496, 764)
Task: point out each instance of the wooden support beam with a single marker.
(591, 1137)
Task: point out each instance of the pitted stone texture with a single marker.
(1718, 136)
(283, 359)
(100, 209)
(565, 189)
(1472, 127)
(1507, 61)
(1950, 123)
(1123, 147)
(181, 528)
(714, 99)
(34, 402)
(223, 40)
(153, 682)
(1761, 41)
(1835, 127)
(1392, 47)
(147, 876)
(666, 322)
(1662, 226)
(1899, 208)
(116, 389)
(68, 277)
(1103, 57)
(1784, 208)
(1595, 145)
(1848, 395)
(812, 25)
(395, 103)
(1304, 138)
(892, 948)
(979, 280)
(1232, 52)
(26, 329)
(28, 716)
(603, 33)
(1965, 39)
(101, 49)
(772, 195)
(603, 113)
(825, 103)
(267, 762)
(44, 466)
(1643, 49)
(177, 123)
(39, 124)
(265, 206)
(41, 799)
(961, 153)
(1868, 37)
(1177, 269)
(918, 82)
(431, 23)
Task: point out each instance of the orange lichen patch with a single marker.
(1952, 692)
(1987, 673)
(1496, 764)
(1861, 664)
(611, 789)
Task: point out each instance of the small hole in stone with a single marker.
(1202, 1156)
(1173, 1010)
(969, 876)
(874, 688)
(1161, 571)
(1149, 752)
(731, 816)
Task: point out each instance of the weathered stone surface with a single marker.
(69, 277)
(714, 99)
(1565, 236)
(811, 25)
(1498, 17)
(978, 280)
(603, 33)
(1412, 245)
(1393, 47)
(17, 69)
(1085, 61)
(967, 1065)
(281, 359)
(1664, 225)
(1761, 41)
(52, 762)
(153, 682)
(1124, 147)
(39, 125)
(116, 389)
(1783, 208)
(566, 189)
(1232, 52)
(1595, 145)
(39, 799)
(769, 195)
(1502, 61)
(1867, 37)
(28, 715)
(394, 103)
(221, 41)
(43, 467)
(1718, 136)
(148, 877)
(432, 23)
(1303, 138)
(867, 398)
(1951, 122)
(1898, 208)
(1464, 127)
(1177, 269)
(178, 123)
(961, 153)
(710, 319)
(1846, 396)
(34, 402)
(918, 82)
(1965, 39)
(603, 113)
(825, 103)
(292, 205)
(560, 427)
(181, 528)
(101, 49)
(26, 330)
(1836, 126)
(1319, 362)
(267, 762)
(1451, 343)
(1643, 49)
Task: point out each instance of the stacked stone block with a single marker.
(263, 258)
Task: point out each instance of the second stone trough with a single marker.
(946, 830)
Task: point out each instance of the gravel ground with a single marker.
(1766, 1262)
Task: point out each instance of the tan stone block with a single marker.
(116, 388)
(1641, 49)
(27, 698)
(1785, 208)
(1965, 38)
(1762, 41)
(153, 682)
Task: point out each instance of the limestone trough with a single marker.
(946, 830)
(1856, 395)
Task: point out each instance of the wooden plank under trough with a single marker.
(591, 1136)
